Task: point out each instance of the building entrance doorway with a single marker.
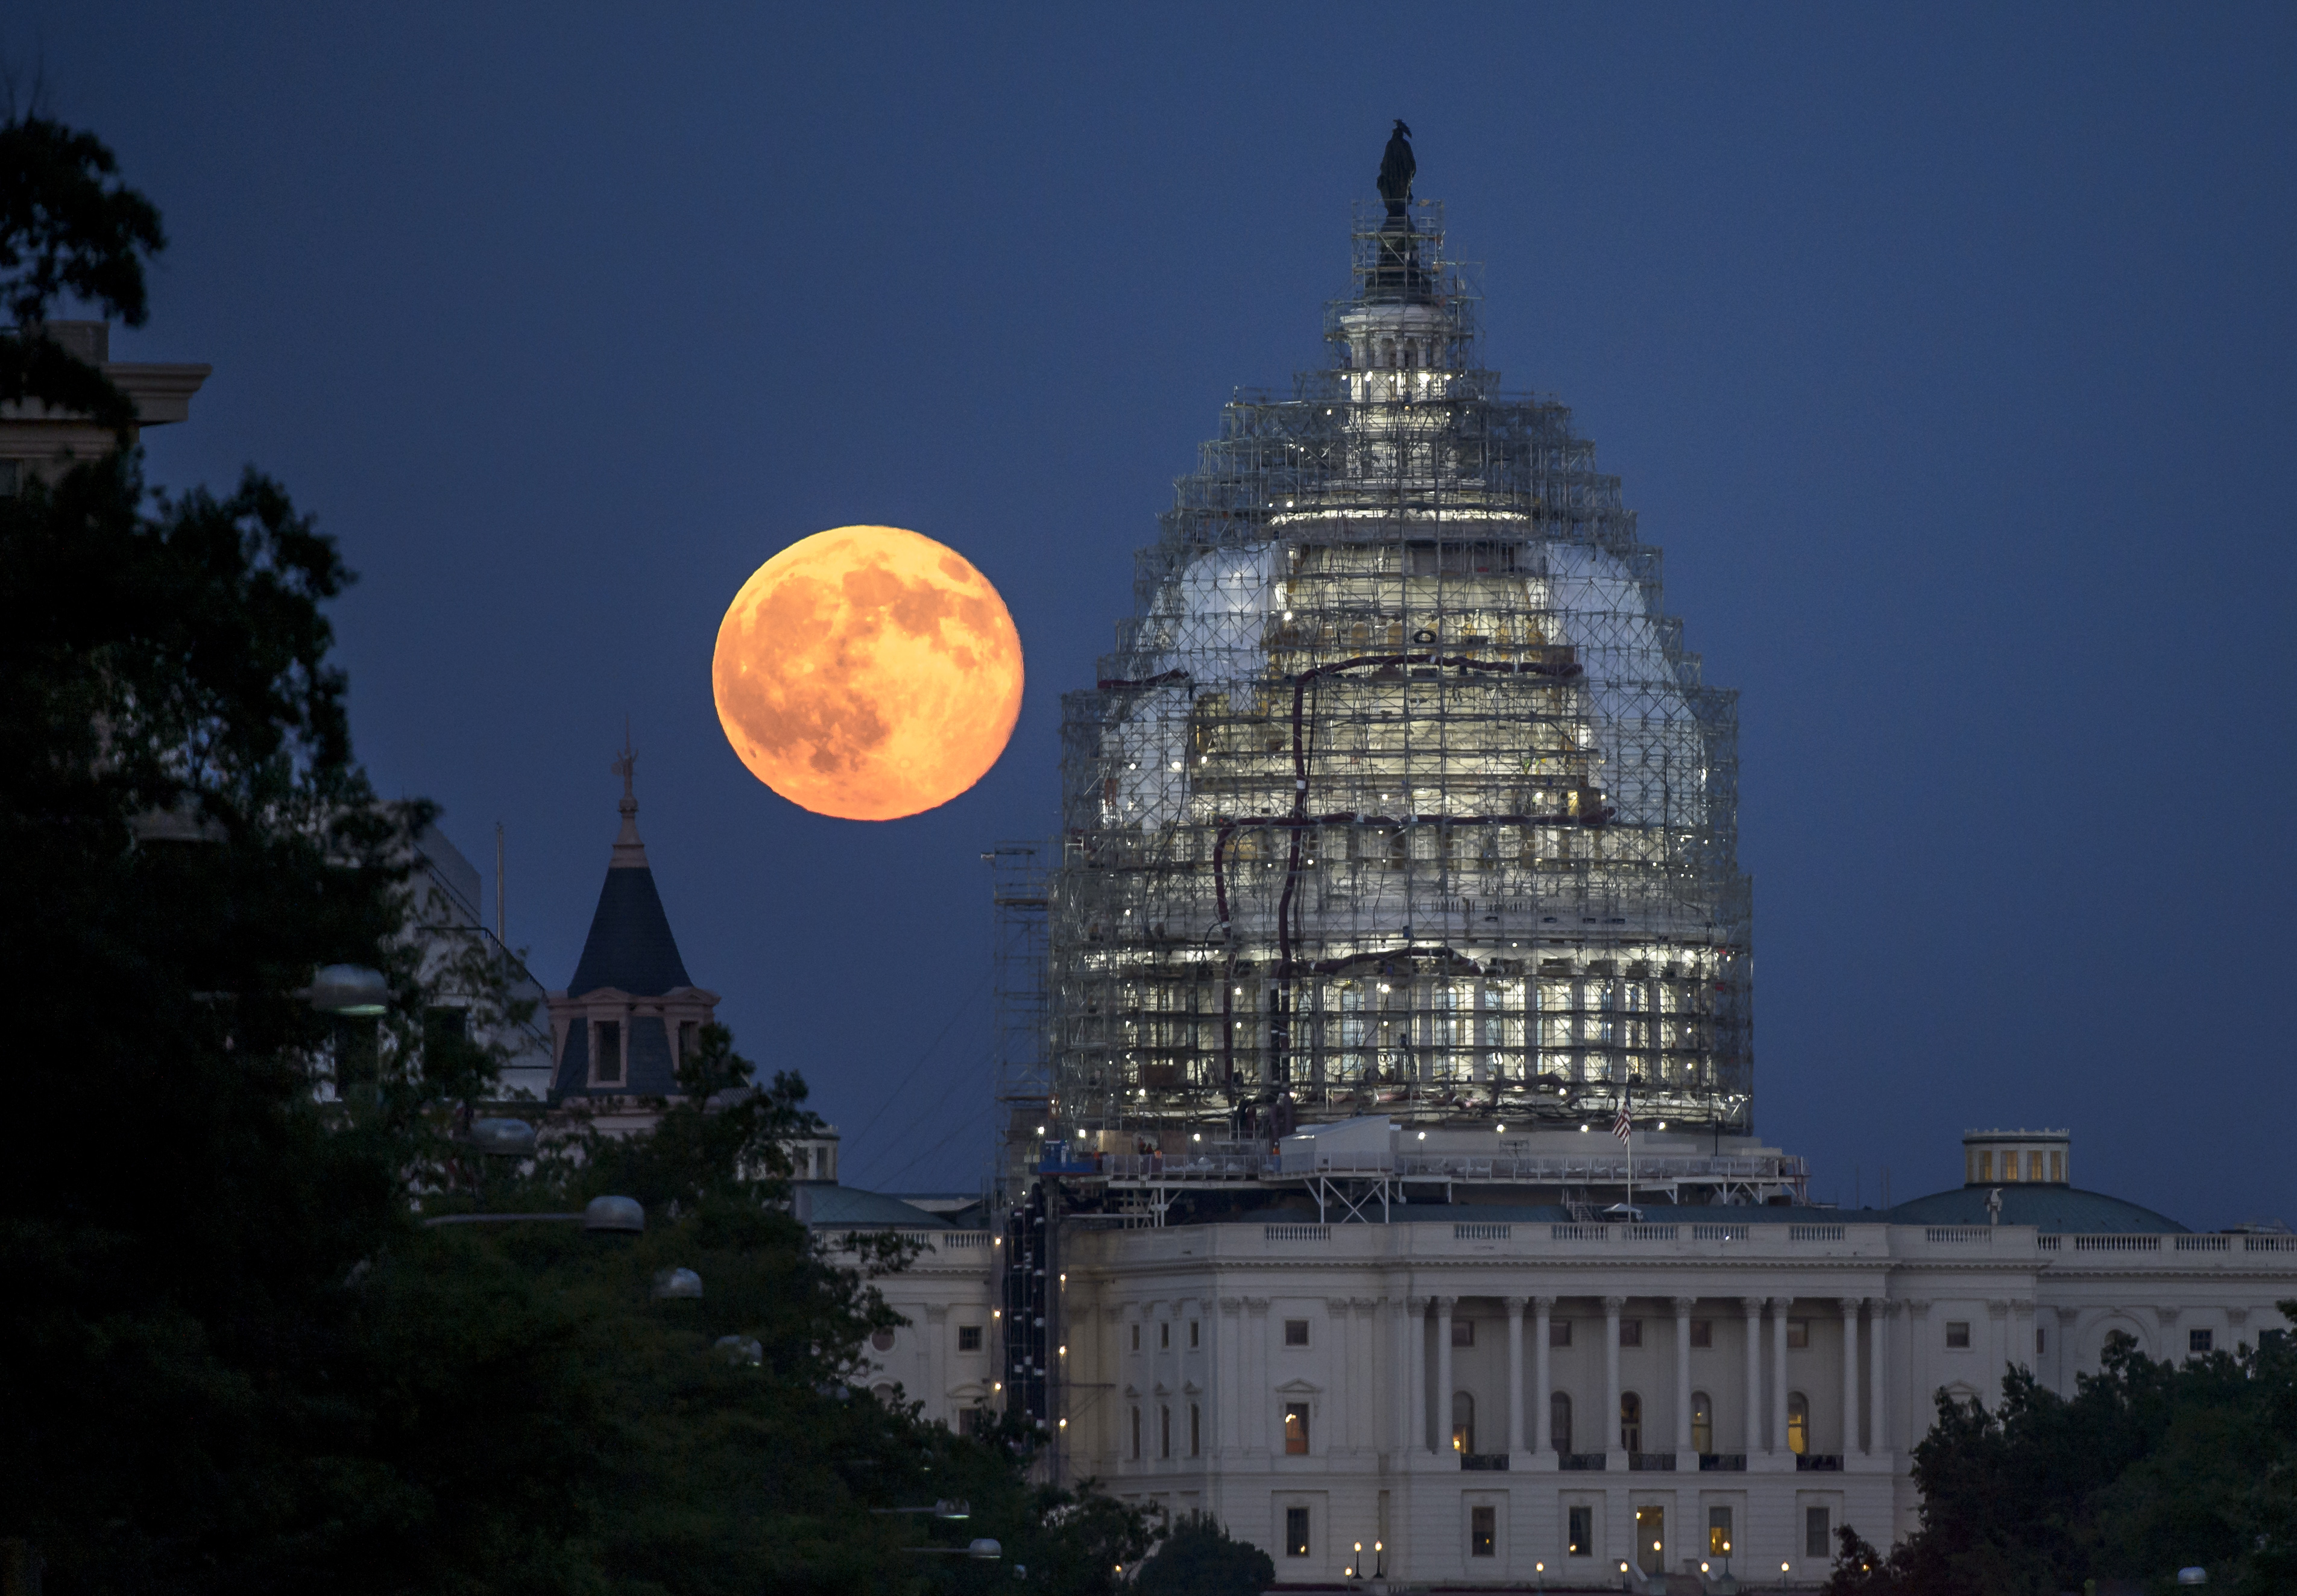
(1651, 1539)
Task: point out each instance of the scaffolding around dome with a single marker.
(1399, 793)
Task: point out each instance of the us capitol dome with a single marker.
(1400, 793)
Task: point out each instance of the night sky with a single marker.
(1948, 353)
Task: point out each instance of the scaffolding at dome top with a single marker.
(1399, 793)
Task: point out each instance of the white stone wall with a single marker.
(1374, 1298)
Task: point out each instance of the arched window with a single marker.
(1702, 1422)
(1559, 1419)
(1463, 1422)
(1631, 1422)
(1798, 1423)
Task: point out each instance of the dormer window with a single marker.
(606, 1057)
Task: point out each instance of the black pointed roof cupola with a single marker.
(629, 947)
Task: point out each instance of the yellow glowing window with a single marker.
(1798, 1423)
(1295, 1429)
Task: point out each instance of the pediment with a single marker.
(1300, 1388)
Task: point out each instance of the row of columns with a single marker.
(1411, 1338)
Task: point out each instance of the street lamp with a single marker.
(501, 1137)
(351, 989)
(677, 1284)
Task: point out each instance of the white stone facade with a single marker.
(1799, 1358)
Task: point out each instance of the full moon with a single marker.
(867, 672)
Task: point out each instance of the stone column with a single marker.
(2022, 1335)
(2062, 1357)
(1444, 1373)
(1997, 1342)
(1543, 1386)
(1781, 1306)
(1399, 1383)
(1753, 1308)
(1612, 1442)
(1515, 1378)
(936, 1363)
(1849, 1376)
(1415, 1332)
(1340, 1425)
(1228, 1389)
(1683, 1454)
(1920, 1386)
(1878, 1439)
(1255, 1392)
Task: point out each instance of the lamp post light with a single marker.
(351, 989)
(677, 1284)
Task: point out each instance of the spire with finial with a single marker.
(630, 852)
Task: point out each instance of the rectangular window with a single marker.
(1296, 1532)
(2201, 1341)
(1579, 1534)
(1718, 1532)
(1195, 1430)
(1164, 1432)
(1165, 1336)
(2033, 1166)
(1463, 1332)
(1631, 1332)
(2057, 1166)
(1798, 1332)
(1702, 1332)
(1296, 1429)
(1559, 1332)
(607, 1067)
(1194, 1325)
(968, 1337)
(1958, 1334)
(1985, 1167)
(1136, 1435)
(1136, 1337)
(1815, 1535)
(1296, 1332)
(1483, 1531)
(2040, 1341)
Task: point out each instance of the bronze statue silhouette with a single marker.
(1395, 169)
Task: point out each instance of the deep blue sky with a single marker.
(1947, 351)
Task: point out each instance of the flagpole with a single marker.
(1629, 1111)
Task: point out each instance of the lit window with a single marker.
(1463, 1332)
(1718, 1532)
(1631, 1332)
(1296, 1332)
(1296, 1429)
(1985, 1166)
(1483, 1531)
(1702, 1332)
(2034, 1166)
(1463, 1422)
(1296, 1532)
(2057, 1166)
(1815, 1532)
(1702, 1422)
(1579, 1535)
(1958, 1334)
(1798, 1332)
(2201, 1341)
(1798, 1423)
(968, 1337)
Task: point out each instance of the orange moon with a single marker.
(867, 672)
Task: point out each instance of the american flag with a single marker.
(1623, 1127)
